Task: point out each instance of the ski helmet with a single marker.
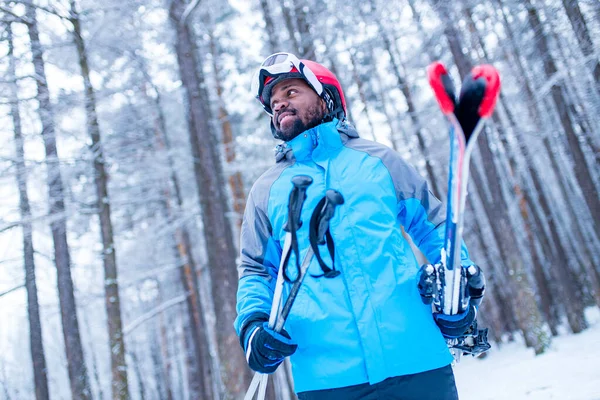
(280, 66)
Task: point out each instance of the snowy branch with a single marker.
(19, 18)
(12, 290)
(188, 11)
(42, 8)
(152, 313)
(49, 218)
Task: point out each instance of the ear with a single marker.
(323, 105)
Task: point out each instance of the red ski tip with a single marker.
(442, 87)
(492, 88)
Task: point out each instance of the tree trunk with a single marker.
(578, 98)
(584, 230)
(166, 355)
(95, 374)
(289, 24)
(497, 267)
(307, 45)
(200, 365)
(138, 375)
(120, 389)
(161, 378)
(583, 36)
(361, 93)
(36, 344)
(490, 303)
(412, 110)
(269, 27)
(566, 282)
(582, 171)
(217, 229)
(78, 376)
(201, 385)
(382, 94)
(236, 183)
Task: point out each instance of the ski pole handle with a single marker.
(333, 198)
(296, 201)
(442, 86)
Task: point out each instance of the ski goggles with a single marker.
(280, 64)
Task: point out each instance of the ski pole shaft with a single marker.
(256, 381)
(296, 202)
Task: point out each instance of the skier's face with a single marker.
(296, 108)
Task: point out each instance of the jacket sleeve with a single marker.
(259, 263)
(423, 215)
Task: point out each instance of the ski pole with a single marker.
(319, 225)
(467, 117)
(295, 203)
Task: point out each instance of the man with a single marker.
(366, 333)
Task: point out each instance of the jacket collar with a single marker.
(322, 139)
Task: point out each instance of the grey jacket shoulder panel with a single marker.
(346, 128)
(256, 228)
(407, 181)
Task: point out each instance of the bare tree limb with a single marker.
(46, 217)
(19, 18)
(12, 290)
(188, 10)
(39, 7)
(152, 313)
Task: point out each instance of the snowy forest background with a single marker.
(129, 139)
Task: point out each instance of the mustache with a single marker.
(289, 111)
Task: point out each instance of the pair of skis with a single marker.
(467, 116)
(318, 232)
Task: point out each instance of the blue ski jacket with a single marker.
(368, 323)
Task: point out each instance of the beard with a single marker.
(314, 117)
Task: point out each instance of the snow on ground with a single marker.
(570, 370)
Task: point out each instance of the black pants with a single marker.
(437, 384)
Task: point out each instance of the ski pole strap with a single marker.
(295, 203)
(319, 232)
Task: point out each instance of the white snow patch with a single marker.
(570, 370)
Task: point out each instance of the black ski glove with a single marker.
(265, 349)
(475, 285)
(455, 326)
(428, 290)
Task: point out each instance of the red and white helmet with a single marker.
(280, 66)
